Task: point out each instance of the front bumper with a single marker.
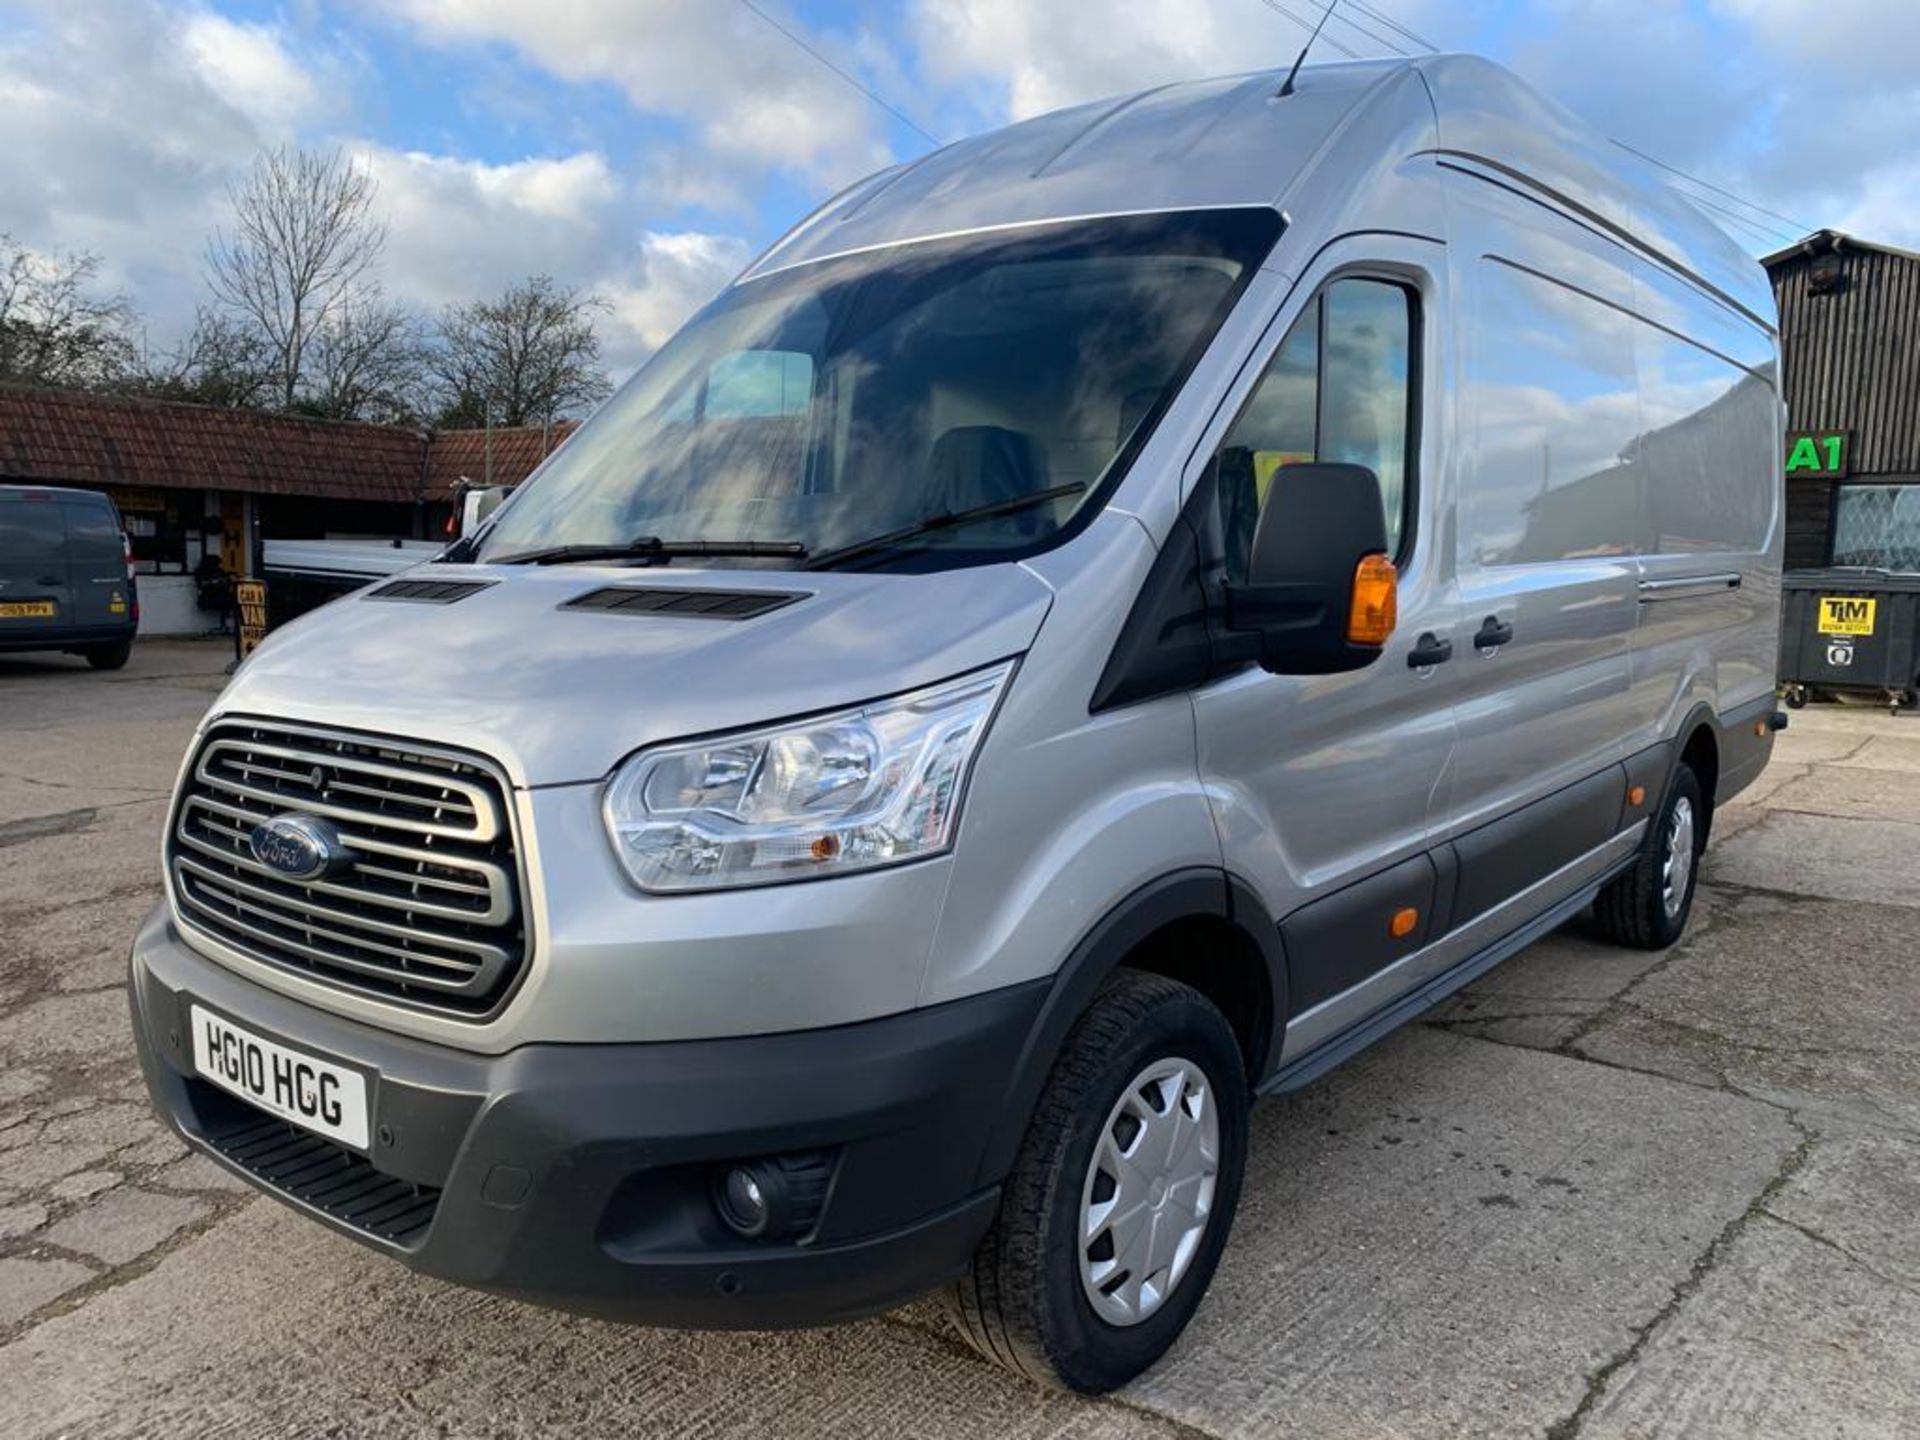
(578, 1176)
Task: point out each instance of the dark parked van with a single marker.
(66, 578)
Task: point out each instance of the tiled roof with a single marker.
(516, 451)
(57, 437)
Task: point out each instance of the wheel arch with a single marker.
(1697, 746)
(1243, 970)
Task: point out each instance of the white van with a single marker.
(1096, 625)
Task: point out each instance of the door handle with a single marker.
(1428, 650)
(1492, 634)
(47, 580)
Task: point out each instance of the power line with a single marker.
(898, 114)
(1374, 13)
(1355, 25)
(1771, 233)
(1801, 229)
(1280, 9)
(1758, 227)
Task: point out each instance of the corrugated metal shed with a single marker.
(1850, 347)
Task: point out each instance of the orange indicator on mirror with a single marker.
(1376, 586)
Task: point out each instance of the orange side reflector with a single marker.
(1376, 600)
(1637, 794)
(1403, 922)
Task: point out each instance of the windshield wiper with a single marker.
(651, 548)
(946, 520)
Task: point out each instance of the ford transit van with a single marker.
(66, 575)
(1095, 626)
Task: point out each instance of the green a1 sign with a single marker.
(1818, 454)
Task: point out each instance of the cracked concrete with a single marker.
(1601, 1193)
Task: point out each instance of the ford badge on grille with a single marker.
(300, 847)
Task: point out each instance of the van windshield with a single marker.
(994, 384)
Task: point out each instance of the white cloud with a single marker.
(123, 137)
(461, 229)
(1047, 56)
(678, 273)
(1886, 208)
(1016, 58)
(755, 100)
(249, 67)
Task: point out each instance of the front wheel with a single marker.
(1647, 906)
(1119, 1204)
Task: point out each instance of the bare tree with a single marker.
(303, 241)
(367, 362)
(54, 329)
(532, 355)
(222, 361)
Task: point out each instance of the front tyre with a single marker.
(1120, 1201)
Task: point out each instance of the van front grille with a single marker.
(425, 908)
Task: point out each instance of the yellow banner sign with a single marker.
(1846, 615)
(250, 598)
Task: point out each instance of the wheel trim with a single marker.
(1676, 866)
(1148, 1195)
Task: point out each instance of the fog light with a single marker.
(775, 1197)
(752, 1199)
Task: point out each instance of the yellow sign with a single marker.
(250, 597)
(150, 502)
(1846, 615)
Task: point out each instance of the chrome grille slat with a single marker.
(496, 888)
(425, 912)
(223, 907)
(476, 817)
(299, 914)
(356, 840)
(477, 799)
(215, 895)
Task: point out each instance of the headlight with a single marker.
(842, 792)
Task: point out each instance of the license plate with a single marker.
(316, 1094)
(26, 610)
(1846, 615)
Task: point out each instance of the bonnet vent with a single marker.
(684, 604)
(429, 592)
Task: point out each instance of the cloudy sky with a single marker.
(646, 148)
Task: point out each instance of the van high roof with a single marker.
(1232, 141)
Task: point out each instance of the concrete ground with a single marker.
(1601, 1194)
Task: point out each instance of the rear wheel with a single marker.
(1116, 1211)
(1647, 907)
(110, 656)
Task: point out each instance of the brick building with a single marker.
(191, 480)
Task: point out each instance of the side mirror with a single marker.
(477, 504)
(1320, 591)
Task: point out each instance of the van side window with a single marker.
(1337, 389)
(1552, 400)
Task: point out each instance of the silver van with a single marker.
(66, 575)
(1094, 626)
